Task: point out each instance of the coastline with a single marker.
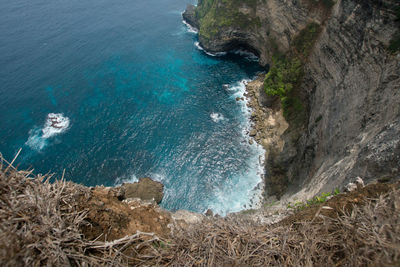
(266, 121)
(257, 193)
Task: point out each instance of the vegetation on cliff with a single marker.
(286, 73)
(282, 77)
(394, 45)
(213, 15)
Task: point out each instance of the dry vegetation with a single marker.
(41, 225)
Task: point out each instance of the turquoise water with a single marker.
(130, 95)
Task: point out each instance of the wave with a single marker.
(35, 139)
(217, 54)
(244, 53)
(56, 123)
(216, 117)
(243, 190)
(132, 178)
(122, 180)
(190, 28)
(239, 90)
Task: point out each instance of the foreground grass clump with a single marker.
(40, 226)
(361, 235)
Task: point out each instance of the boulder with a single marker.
(209, 213)
(145, 189)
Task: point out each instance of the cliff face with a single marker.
(350, 87)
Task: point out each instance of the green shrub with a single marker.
(300, 205)
(214, 15)
(282, 77)
(306, 38)
(397, 12)
(394, 45)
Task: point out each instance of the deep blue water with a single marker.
(139, 99)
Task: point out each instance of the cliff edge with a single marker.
(337, 67)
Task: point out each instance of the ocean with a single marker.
(111, 91)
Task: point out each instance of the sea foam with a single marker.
(217, 54)
(56, 123)
(245, 189)
(190, 28)
(216, 117)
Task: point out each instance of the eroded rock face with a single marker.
(353, 87)
(262, 27)
(350, 88)
(189, 16)
(145, 189)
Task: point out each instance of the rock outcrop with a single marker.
(145, 189)
(350, 87)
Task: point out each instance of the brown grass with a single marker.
(367, 236)
(40, 225)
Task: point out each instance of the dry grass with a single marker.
(368, 236)
(40, 225)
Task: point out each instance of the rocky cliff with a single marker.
(348, 84)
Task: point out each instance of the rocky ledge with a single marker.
(146, 189)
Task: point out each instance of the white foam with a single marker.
(122, 180)
(216, 117)
(55, 124)
(190, 28)
(217, 54)
(35, 140)
(239, 89)
(244, 190)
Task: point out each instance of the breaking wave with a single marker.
(216, 117)
(217, 54)
(56, 123)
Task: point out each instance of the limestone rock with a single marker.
(145, 189)
(209, 213)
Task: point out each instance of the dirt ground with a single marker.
(111, 218)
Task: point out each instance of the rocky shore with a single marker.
(267, 121)
(267, 127)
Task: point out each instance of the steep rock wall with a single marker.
(350, 87)
(353, 86)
